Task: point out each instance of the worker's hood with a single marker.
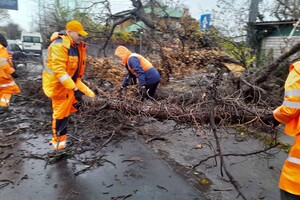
(55, 35)
(123, 53)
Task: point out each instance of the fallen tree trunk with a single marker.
(227, 112)
(265, 74)
(253, 86)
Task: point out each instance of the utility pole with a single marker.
(141, 40)
(253, 13)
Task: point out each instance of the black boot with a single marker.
(3, 110)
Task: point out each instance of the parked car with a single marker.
(17, 54)
(32, 43)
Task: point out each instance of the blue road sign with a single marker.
(204, 21)
(9, 4)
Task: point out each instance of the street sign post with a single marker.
(9, 4)
(204, 22)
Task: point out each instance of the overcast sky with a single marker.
(28, 9)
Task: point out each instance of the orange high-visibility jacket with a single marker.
(61, 75)
(7, 84)
(125, 54)
(288, 113)
(139, 67)
(144, 63)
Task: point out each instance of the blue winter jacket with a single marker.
(149, 77)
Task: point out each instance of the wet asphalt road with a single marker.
(134, 172)
(146, 177)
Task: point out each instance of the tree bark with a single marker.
(195, 114)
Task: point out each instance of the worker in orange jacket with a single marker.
(62, 78)
(289, 114)
(7, 73)
(139, 68)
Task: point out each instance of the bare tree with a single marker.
(53, 15)
(158, 22)
(13, 31)
(4, 15)
(99, 20)
(137, 13)
(286, 9)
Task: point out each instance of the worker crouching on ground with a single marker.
(7, 73)
(289, 113)
(62, 78)
(140, 68)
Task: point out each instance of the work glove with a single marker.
(14, 75)
(78, 95)
(78, 105)
(270, 120)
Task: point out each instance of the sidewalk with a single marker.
(284, 138)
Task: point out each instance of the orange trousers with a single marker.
(4, 99)
(61, 111)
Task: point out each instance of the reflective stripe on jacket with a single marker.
(7, 84)
(146, 75)
(65, 66)
(288, 113)
(290, 175)
(145, 64)
(139, 67)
